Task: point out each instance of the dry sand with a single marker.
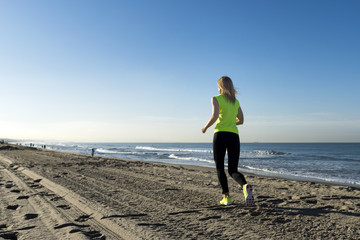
(55, 195)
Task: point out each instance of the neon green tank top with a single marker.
(227, 115)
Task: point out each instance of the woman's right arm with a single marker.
(240, 117)
(214, 116)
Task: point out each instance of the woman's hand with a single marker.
(240, 117)
(203, 129)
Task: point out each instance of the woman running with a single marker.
(227, 113)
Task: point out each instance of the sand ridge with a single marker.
(165, 201)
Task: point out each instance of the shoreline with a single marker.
(145, 200)
(250, 172)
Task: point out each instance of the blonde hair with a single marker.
(227, 88)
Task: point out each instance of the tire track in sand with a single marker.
(55, 218)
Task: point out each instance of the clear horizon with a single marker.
(140, 71)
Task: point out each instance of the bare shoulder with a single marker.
(215, 103)
(214, 100)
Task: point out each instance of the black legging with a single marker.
(227, 141)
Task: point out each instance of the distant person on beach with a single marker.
(92, 152)
(227, 113)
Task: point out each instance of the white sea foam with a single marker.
(190, 158)
(261, 169)
(272, 152)
(102, 150)
(173, 149)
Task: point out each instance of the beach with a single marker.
(48, 194)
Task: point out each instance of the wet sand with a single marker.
(46, 194)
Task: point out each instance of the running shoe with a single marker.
(249, 198)
(226, 200)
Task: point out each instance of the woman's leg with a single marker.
(219, 150)
(233, 149)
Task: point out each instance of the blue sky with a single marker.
(145, 71)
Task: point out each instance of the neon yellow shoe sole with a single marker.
(249, 198)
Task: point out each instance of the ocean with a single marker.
(337, 163)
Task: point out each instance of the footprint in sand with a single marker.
(254, 214)
(276, 201)
(46, 194)
(307, 197)
(70, 224)
(126, 215)
(22, 197)
(75, 230)
(9, 235)
(326, 198)
(262, 198)
(83, 218)
(36, 186)
(15, 191)
(56, 199)
(90, 234)
(151, 224)
(93, 234)
(208, 218)
(12, 207)
(311, 201)
(265, 219)
(182, 212)
(349, 197)
(64, 206)
(30, 216)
